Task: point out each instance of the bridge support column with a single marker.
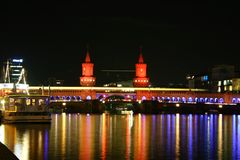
(88, 94)
(145, 94)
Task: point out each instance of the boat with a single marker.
(20, 108)
(121, 110)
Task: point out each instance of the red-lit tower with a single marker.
(87, 78)
(141, 79)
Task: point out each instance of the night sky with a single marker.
(177, 38)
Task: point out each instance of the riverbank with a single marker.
(5, 153)
(146, 107)
(154, 107)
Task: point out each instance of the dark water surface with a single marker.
(165, 136)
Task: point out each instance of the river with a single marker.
(163, 136)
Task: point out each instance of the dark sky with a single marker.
(177, 38)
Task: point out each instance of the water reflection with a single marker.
(26, 141)
(172, 136)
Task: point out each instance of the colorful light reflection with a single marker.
(166, 136)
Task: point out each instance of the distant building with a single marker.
(236, 85)
(13, 71)
(117, 78)
(16, 66)
(52, 81)
(198, 81)
(220, 78)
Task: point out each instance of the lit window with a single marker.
(33, 102)
(230, 88)
(219, 89)
(28, 102)
(219, 83)
(225, 82)
(40, 101)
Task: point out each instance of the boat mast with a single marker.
(7, 74)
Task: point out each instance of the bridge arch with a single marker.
(196, 99)
(211, 100)
(233, 100)
(183, 99)
(144, 98)
(190, 99)
(221, 100)
(79, 98)
(115, 98)
(74, 98)
(68, 98)
(173, 99)
(88, 97)
(178, 99)
(206, 99)
(201, 100)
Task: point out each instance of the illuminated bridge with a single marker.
(139, 92)
(171, 95)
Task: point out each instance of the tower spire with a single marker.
(87, 59)
(140, 60)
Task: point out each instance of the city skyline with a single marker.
(185, 38)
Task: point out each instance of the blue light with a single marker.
(17, 60)
(205, 78)
(143, 98)
(190, 99)
(88, 97)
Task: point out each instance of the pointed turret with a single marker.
(140, 60)
(87, 59)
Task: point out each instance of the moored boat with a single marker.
(17, 108)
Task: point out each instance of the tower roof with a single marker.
(140, 60)
(87, 59)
